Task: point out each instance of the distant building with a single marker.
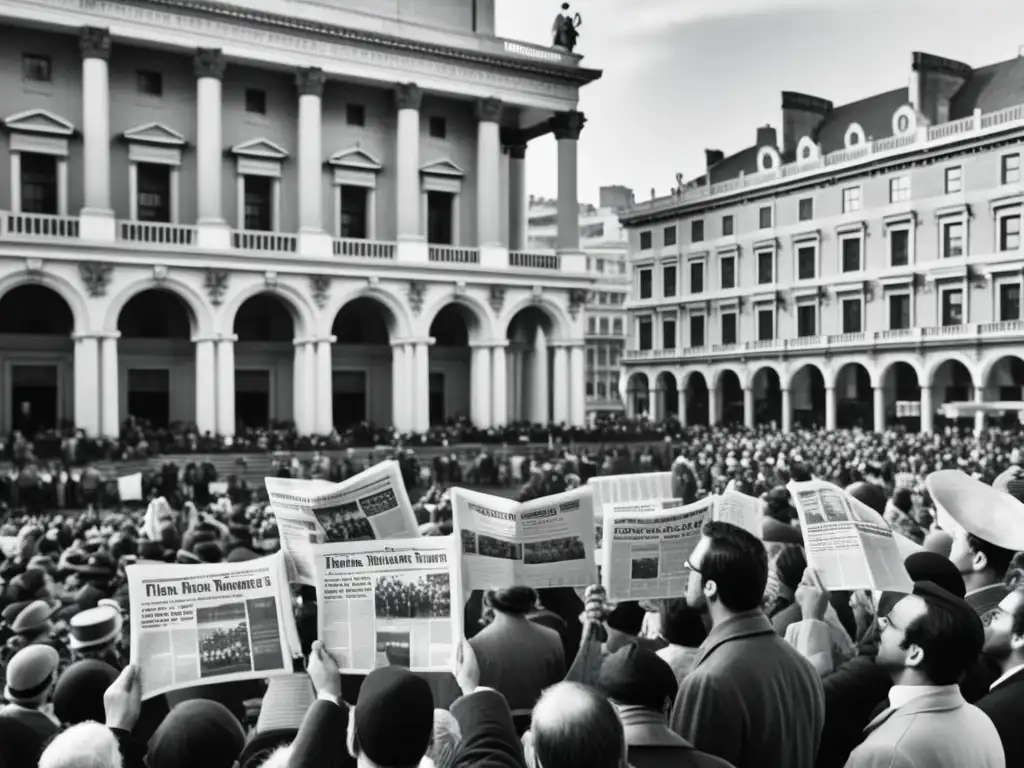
(603, 239)
(864, 270)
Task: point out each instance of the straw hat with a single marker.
(982, 510)
(95, 626)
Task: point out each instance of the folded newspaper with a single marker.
(648, 544)
(394, 603)
(640, 487)
(213, 623)
(372, 505)
(847, 543)
(546, 542)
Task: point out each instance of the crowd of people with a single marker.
(427, 597)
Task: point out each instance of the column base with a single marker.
(493, 257)
(316, 243)
(97, 224)
(213, 234)
(412, 252)
(572, 262)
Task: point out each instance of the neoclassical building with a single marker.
(230, 215)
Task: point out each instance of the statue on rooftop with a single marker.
(565, 30)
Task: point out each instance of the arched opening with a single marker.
(265, 375)
(697, 399)
(767, 397)
(807, 392)
(1005, 383)
(854, 400)
(156, 359)
(668, 396)
(36, 348)
(528, 366)
(902, 396)
(638, 395)
(451, 390)
(730, 398)
(952, 383)
(363, 374)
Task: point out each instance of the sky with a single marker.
(684, 75)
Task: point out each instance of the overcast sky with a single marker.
(682, 75)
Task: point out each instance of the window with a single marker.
(851, 254)
(154, 191)
(727, 226)
(259, 215)
(953, 307)
(1009, 233)
(805, 210)
(1009, 302)
(899, 311)
(1010, 171)
(764, 217)
(899, 189)
(728, 327)
(440, 217)
(590, 388)
(668, 333)
(645, 240)
(355, 114)
(646, 284)
(765, 324)
(149, 83)
(899, 247)
(696, 331)
(806, 320)
(806, 262)
(669, 236)
(617, 326)
(36, 68)
(697, 231)
(668, 281)
(728, 269)
(255, 101)
(438, 127)
(954, 180)
(644, 333)
(697, 277)
(851, 199)
(38, 183)
(852, 320)
(355, 212)
(604, 332)
(952, 239)
(765, 268)
(591, 328)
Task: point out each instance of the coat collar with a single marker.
(646, 728)
(749, 624)
(939, 701)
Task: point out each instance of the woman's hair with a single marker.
(86, 745)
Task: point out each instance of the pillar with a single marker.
(299, 404)
(748, 407)
(110, 398)
(560, 381)
(567, 126)
(208, 65)
(979, 416)
(226, 385)
(787, 410)
(399, 381)
(87, 384)
(310, 83)
(713, 416)
(499, 380)
(308, 391)
(488, 173)
(927, 411)
(94, 45)
(408, 97)
(681, 396)
(577, 387)
(324, 386)
(517, 198)
(878, 396)
(480, 386)
(516, 371)
(422, 380)
(206, 385)
(830, 408)
(539, 412)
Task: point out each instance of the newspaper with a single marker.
(546, 542)
(847, 543)
(372, 505)
(647, 546)
(394, 603)
(612, 488)
(212, 623)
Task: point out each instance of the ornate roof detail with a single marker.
(39, 121)
(263, 149)
(442, 167)
(355, 158)
(154, 133)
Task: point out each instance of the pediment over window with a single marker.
(41, 122)
(154, 133)
(355, 159)
(260, 149)
(444, 167)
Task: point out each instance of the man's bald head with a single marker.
(576, 727)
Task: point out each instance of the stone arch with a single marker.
(303, 315)
(879, 373)
(766, 366)
(686, 375)
(832, 373)
(72, 296)
(561, 326)
(719, 372)
(989, 365)
(482, 327)
(397, 315)
(199, 311)
(932, 366)
(795, 368)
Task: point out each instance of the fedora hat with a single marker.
(95, 626)
(30, 672)
(980, 509)
(98, 566)
(33, 616)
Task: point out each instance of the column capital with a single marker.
(208, 62)
(94, 43)
(516, 151)
(112, 335)
(488, 110)
(88, 335)
(413, 341)
(408, 96)
(567, 125)
(311, 82)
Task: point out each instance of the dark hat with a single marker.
(151, 550)
(98, 566)
(869, 494)
(28, 585)
(628, 617)
(209, 552)
(197, 732)
(932, 567)
(78, 696)
(963, 613)
(635, 675)
(790, 565)
(241, 555)
(394, 701)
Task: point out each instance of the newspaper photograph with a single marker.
(212, 623)
(847, 542)
(389, 604)
(546, 542)
(614, 488)
(372, 505)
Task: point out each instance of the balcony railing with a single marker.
(364, 249)
(38, 226)
(153, 233)
(450, 254)
(267, 242)
(534, 260)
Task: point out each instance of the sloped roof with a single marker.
(873, 114)
(990, 89)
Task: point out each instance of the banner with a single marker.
(129, 487)
(372, 505)
(212, 623)
(847, 542)
(394, 603)
(614, 488)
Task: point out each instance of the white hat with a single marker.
(95, 626)
(983, 511)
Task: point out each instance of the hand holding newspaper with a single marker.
(848, 544)
(212, 623)
(394, 603)
(372, 505)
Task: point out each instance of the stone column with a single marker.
(299, 403)
(878, 400)
(654, 399)
(517, 198)
(213, 232)
(787, 411)
(206, 384)
(315, 240)
(399, 395)
(87, 384)
(408, 97)
(539, 412)
(577, 387)
(309, 386)
(324, 386)
(499, 379)
(830, 408)
(927, 411)
(560, 381)
(411, 396)
(97, 215)
(423, 384)
(681, 394)
(979, 416)
(488, 173)
(748, 408)
(712, 406)
(226, 385)
(110, 383)
(567, 127)
(480, 385)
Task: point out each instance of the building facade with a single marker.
(296, 211)
(603, 240)
(862, 271)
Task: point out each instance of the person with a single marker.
(1004, 704)
(751, 698)
(574, 726)
(86, 745)
(682, 627)
(31, 674)
(929, 639)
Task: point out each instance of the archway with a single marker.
(1005, 383)
(767, 396)
(36, 348)
(854, 398)
(730, 398)
(807, 392)
(902, 396)
(952, 383)
(269, 369)
(638, 395)
(156, 359)
(667, 393)
(452, 392)
(697, 399)
(529, 366)
(364, 370)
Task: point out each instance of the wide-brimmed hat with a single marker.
(33, 616)
(980, 509)
(30, 672)
(98, 566)
(95, 626)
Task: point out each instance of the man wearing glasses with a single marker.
(1004, 641)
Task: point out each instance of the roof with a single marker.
(873, 114)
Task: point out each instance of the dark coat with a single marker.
(1005, 707)
(652, 744)
(488, 734)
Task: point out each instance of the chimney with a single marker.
(801, 116)
(713, 157)
(934, 82)
(766, 136)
